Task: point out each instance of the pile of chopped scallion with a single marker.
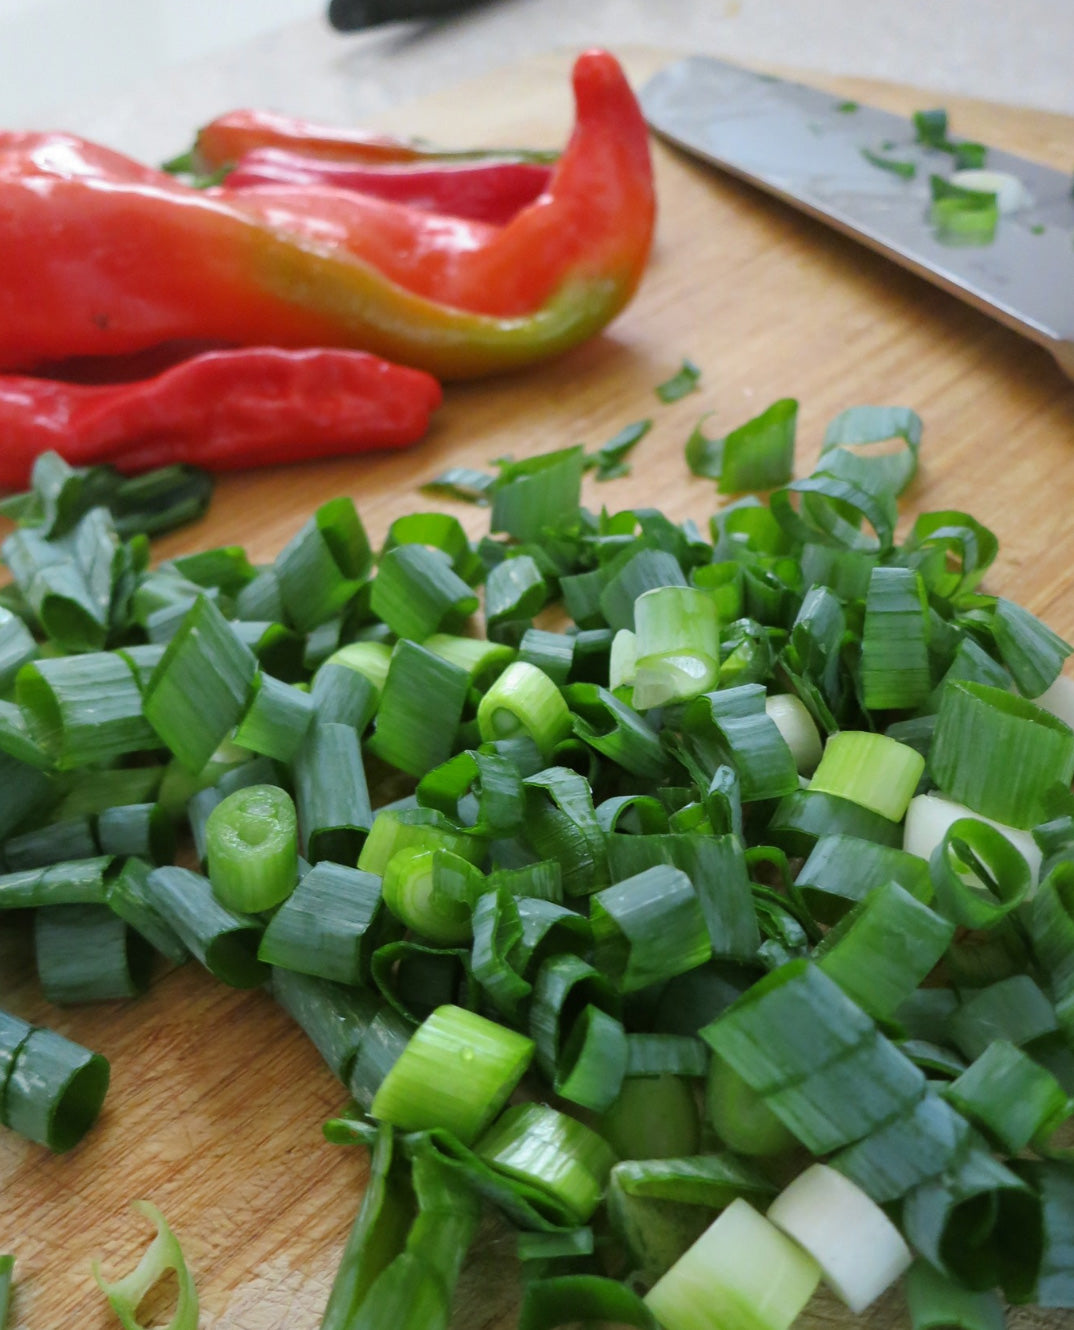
(718, 932)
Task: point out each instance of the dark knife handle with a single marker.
(353, 15)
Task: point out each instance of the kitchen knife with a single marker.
(850, 165)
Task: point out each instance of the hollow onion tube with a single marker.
(457, 1072)
(86, 953)
(798, 729)
(979, 876)
(895, 641)
(648, 928)
(84, 709)
(677, 638)
(560, 1300)
(550, 1151)
(659, 1207)
(54, 1088)
(251, 842)
(432, 892)
(869, 769)
(162, 1256)
(999, 754)
(324, 565)
(276, 720)
(859, 1250)
(200, 689)
(329, 925)
(1010, 1096)
(929, 816)
(408, 732)
(419, 828)
(524, 701)
(842, 871)
(331, 794)
(741, 1272)
(224, 941)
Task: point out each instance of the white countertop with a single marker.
(1014, 52)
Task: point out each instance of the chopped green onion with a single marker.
(609, 460)
(741, 1272)
(432, 892)
(86, 953)
(201, 687)
(551, 1151)
(53, 1090)
(163, 1255)
(680, 384)
(417, 593)
(538, 494)
(524, 701)
(907, 170)
(323, 567)
(653, 1117)
(329, 925)
(758, 455)
(457, 1072)
(277, 719)
(252, 848)
(935, 1302)
(859, 1250)
(869, 769)
(677, 641)
(331, 794)
(409, 733)
(224, 941)
(648, 928)
(999, 753)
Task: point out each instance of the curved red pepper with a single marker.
(91, 265)
(488, 191)
(221, 410)
(226, 140)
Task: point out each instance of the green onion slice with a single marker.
(162, 1256)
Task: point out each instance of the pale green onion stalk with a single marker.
(678, 644)
(859, 1250)
(799, 730)
(741, 1274)
(456, 1073)
(869, 769)
(370, 659)
(1058, 699)
(524, 701)
(623, 662)
(161, 1256)
(929, 816)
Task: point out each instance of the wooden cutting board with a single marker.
(217, 1099)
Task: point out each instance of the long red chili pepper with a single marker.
(221, 410)
(227, 139)
(491, 191)
(97, 262)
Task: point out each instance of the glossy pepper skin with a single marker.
(221, 410)
(225, 141)
(98, 259)
(488, 191)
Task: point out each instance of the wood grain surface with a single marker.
(217, 1099)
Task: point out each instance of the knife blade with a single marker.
(820, 154)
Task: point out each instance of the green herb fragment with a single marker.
(758, 455)
(463, 483)
(609, 461)
(962, 216)
(163, 1255)
(845, 108)
(907, 170)
(680, 384)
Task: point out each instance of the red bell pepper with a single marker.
(221, 410)
(488, 191)
(99, 258)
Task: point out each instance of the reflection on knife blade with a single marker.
(826, 157)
